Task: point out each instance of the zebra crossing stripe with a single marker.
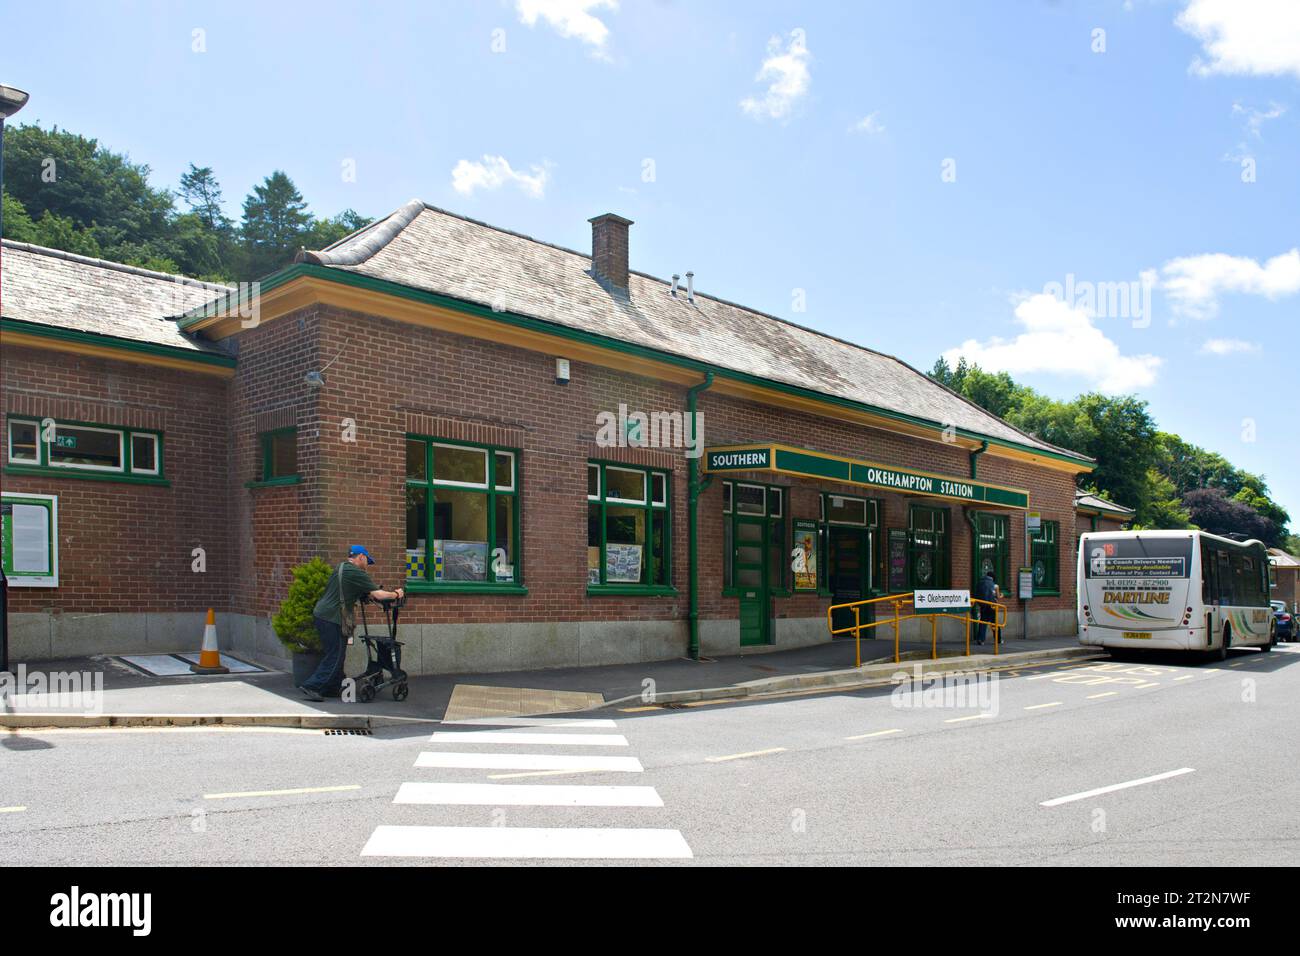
(526, 795)
(523, 737)
(521, 843)
(591, 722)
(459, 760)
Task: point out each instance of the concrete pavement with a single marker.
(130, 698)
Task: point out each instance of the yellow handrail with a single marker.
(898, 600)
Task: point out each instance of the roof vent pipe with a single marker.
(676, 278)
(690, 287)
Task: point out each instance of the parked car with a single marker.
(1287, 629)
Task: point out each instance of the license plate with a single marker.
(1138, 635)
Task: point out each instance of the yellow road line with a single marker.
(752, 753)
(957, 720)
(1055, 703)
(878, 733)
(1109, 693)
(1153, 683)
(12, 809)
(637, 710)
(1185, 677)
(281, 793)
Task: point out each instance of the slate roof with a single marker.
(430, 249)
(60, 289)
(1083, 499)
(1281, 559)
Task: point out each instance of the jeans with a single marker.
(328, 679)
(987, 615)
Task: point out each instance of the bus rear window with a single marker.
(1139, 557)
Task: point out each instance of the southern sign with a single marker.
(937, 601)
(814, 464)
(738, 459)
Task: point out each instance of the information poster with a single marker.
(29, 540)
(622, 563)
(897, 560)
(804, 555)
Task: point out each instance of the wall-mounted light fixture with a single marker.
(561, 371)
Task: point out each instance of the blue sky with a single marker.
(911, 176)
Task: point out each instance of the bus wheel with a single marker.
(1272, 639)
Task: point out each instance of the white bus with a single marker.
(1174, 590)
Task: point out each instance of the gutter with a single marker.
(693, 491)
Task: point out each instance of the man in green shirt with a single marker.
(335, 615)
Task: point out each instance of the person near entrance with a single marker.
(986, 590)
(335, 619)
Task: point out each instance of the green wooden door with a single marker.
(849, 573)
(752, 581)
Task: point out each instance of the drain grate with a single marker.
(350, 732)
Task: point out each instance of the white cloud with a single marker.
(1257, 118)
(570, 18)
(494, 172)
(1060, 339)
(1260, 37)
(868, 124)
(1227, 346)
(786, 72)
(1194, 283)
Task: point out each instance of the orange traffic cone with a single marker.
(209, 656)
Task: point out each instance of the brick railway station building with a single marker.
(565, 461)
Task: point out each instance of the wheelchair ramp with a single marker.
(475, 700)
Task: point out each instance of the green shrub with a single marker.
(293, 622)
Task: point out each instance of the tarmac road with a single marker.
(1197, 763)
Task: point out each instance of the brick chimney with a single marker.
(609, 249)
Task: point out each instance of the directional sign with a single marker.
(940, 601)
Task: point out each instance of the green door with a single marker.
(752, 577)
(849, 574)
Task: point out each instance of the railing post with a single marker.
(934, 637)
(857, 634)
(896, 632)
(968, 633)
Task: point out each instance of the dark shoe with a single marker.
(310, 694)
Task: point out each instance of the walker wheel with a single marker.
(400, 691)
(367, 693)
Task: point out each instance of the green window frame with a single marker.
(278, 453)
(636, 502)
(1045, 558)
(48, 446)
(992, 544)
(928, 547)
(449, 496)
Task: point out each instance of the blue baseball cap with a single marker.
(360, 549)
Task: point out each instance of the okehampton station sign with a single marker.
(815, 464)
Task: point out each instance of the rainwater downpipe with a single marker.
(695, 488)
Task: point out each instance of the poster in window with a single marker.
(593, 564)
(622, 563)
(29, 540)
(804, 556)
(897, 560)
(463, 560)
